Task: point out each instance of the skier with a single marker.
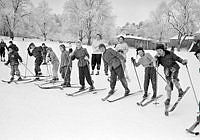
(13, 58)
(171, 69)
(114, 60)
(146, 60)
(37, 53)
(122, 48)
(51, 56)
(96, 54)
(44, 53)
(2, 50)
(83, 64)
(65, 65)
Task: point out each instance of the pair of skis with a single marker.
(15, 81)
(167, 110)
(120, 98)
(60, 86)
(143, 103)
(82, 92)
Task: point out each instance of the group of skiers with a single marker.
(114, 59)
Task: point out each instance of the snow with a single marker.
(30, 113)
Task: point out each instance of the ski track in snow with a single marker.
(30, 113)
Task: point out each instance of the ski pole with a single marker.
(48, 70)
(195, 95)
(160, 75)
(136, 73)
(27, 69)
(26, 65)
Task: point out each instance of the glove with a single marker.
(133, 60)
(86, 58)
(184, 62)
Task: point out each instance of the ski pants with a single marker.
(84, 72)
(171, 75)
(150, 74)
(96, 60)
(55, 69)
(14, 70)
(66, 74)
(118, 72)
(38, 62)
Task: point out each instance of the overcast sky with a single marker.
(124, 10)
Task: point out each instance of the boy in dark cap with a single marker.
(171, 69)
(37, 53)
(15, 48)
(146, 60)
(13, 58)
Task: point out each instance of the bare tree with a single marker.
(12, 12)
(180, 18)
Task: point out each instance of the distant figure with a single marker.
(11, 35)
(44, 53)
(2, 50)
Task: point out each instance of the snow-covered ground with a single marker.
(30, 113)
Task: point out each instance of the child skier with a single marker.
(171, 69)
(96, 54)
(51, 56)
(83, 64)
(37, 53)
(13, 58)
(65, 66)
(114, 60)
(146, 60)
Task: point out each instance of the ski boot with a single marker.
(145, 95)
(19, 79)
(82, 88)
(127, 91)
(153, 97)
(111, 92)
(91, 88)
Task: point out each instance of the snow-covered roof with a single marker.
(135, 37)
(176, 37)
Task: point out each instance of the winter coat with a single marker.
(51, 56)
(80, 54)
(122, 48)
(13, 58)
(65, 59)
(112, 58)
(36, 52)
(95, 46)
(3, 46)
(169, 60)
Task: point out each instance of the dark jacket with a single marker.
(80, 55)
(44, 50)
(14, 47)
(36, 52)
(13, 58)
(169, 60)
(3, 46)
(112, 58)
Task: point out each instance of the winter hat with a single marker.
(102, 46)
(121, 37)
(10, 42)
(62, 46)
(70, 50)
(43, 44)
(32, 44)
(139, 49)
(160, 46)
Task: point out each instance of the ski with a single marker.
(120, 98)
(179, 99)
(140, 103)
(55, 86)
(105, 98)
(76, 92)
(150, 101)
(15, 81)
(33, 80)
(191, 132)
(89, 91)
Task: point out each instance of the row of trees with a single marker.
(177, 17)
(80, 19)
